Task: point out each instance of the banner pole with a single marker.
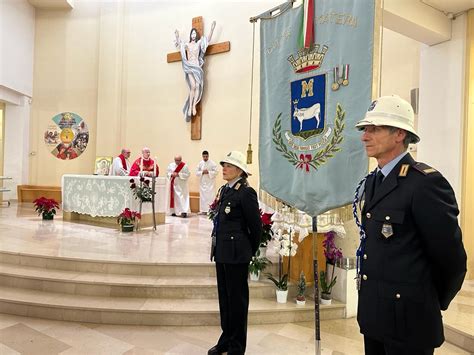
(274, 12)
(317, 317)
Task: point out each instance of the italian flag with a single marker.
(307, 30)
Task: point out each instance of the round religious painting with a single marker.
(67, 136)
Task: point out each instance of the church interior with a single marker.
(77, 284)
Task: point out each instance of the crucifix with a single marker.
(194, 111)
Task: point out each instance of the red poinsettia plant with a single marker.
(267, 232)
(46, 206)
(128, 217)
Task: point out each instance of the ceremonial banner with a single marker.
(311, 156)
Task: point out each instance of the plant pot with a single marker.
(126, 228)
(255, 277)
(282, 296)
(263, 251)
(300, 303)
(325, 298)
(47, 216)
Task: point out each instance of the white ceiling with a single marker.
(453, 6)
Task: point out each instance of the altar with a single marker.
(100, 199)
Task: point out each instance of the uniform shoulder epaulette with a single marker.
(424, 168)
(237, 186)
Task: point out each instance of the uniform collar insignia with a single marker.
(404, 170)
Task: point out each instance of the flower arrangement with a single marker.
(332, 254)
(128, 217)
(46, 206)
(284, 246)
(142, 191)
(331, 251)
(267, 232)
(212, 213)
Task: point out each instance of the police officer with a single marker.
(237, 236)
(412, 259)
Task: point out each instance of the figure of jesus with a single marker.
(192, 56)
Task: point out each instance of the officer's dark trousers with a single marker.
(233, 289)
(376, 347)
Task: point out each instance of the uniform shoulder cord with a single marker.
(358, 197)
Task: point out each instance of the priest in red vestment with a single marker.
(144, 166)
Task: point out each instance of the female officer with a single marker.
(237, 230)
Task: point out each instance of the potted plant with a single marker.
(127, 219)
(300, 298)
(284, 247)
(282, 287)
(267, 232)
(46, 207)
(326, 287)
(257, 264)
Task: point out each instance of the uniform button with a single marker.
(364, 277)
(365, 256)
(387, 218)
(398, 295)
(368, 215)
(231, 237)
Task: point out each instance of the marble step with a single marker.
(112, 266)
(457, 336)
(115, 285)
(143, 311)
(108, 266)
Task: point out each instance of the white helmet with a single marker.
(237, 159)
(390, 111)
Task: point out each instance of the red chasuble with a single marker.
(147, 166)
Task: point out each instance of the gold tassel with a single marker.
(249, 154)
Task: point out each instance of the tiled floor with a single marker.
(21, 335)
(178, 241)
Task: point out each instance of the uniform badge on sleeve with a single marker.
(387, 230)
(227, 209)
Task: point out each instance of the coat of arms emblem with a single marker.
(311, 140)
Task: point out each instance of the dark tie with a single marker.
(226, 190)
(378, 180)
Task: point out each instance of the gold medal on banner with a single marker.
(345, 75)
(335, 85)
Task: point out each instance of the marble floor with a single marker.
(21, 335)
(178, 241)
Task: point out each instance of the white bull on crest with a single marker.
(307, 113)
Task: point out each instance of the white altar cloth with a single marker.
(106, 196)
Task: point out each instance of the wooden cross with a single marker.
(211, 49)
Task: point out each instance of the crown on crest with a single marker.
(308, 59)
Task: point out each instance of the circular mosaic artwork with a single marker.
(67, 136)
